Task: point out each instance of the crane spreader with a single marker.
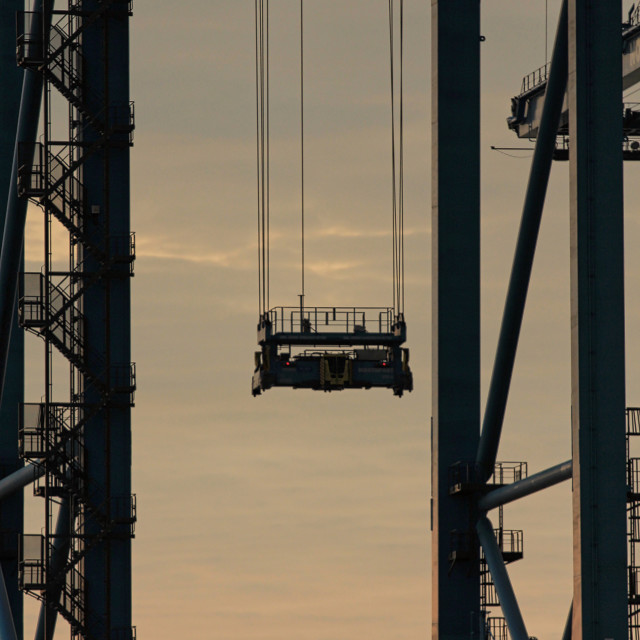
(336, 347)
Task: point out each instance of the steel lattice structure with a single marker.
(76, 441)
(469, 554)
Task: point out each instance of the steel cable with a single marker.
(267, 266)
(258, 181)
(397, 160)
(393, 161)
(401, 198)
(302, 146)
(261, 9)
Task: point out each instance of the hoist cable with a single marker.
(262, 158)
(393, 160)
(397, 160)
(262, 148)
(268, 165)
(546, 32)
(258, 182)
(261, 8)
(302, 146)
(401, 200)
(264, 188)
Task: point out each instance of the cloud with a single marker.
(335, 269)
(340, 231)
(160, 247)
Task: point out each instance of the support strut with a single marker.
(501, 580)
(7, 625)
(59, 554)
(524, 254)
(526, 487)
(13, 236)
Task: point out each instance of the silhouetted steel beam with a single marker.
(59, 555)
(506, 596)
(566, 635)
(107, 309)
(12, 512)
(7, 625)
(20, 479)
(455, 44)
(524, 254)
(526, 487)
(527, 127)
(597, 321)
(16, 214)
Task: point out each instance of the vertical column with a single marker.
(456, 305)
(11, 508)
(597, 321)
(107, 311)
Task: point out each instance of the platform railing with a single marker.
(496, 629)
(466, 474)
(634, 584)
(508, 472)
(633, 476)
(633, 19)
(29, 49)
(633, 421)
(488, 593)
(535, 78)
(332, 319)
(634, 624)
(31, 569)
(509, 540)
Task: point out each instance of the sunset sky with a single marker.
(301, 515)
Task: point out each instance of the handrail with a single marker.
(332, 319)
(535, 78)
(633, 19)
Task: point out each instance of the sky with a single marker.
(298, 514)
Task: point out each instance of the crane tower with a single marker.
(73, 442)
(579, 95)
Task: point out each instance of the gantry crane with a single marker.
(326, 348)
(589, 110)
(74, 441)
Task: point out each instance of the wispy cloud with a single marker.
(341, 231)
(161, 248)
(346, 232)
(334, 268)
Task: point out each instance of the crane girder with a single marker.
(526, 107)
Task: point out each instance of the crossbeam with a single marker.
(526, 487)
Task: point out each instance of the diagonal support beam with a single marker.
(7, 625)
(507, 597)
(566, 635)
(526, 487)
(524, 254)
(59, 554)
(12, 511)
(20, 479)
(13, 237)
